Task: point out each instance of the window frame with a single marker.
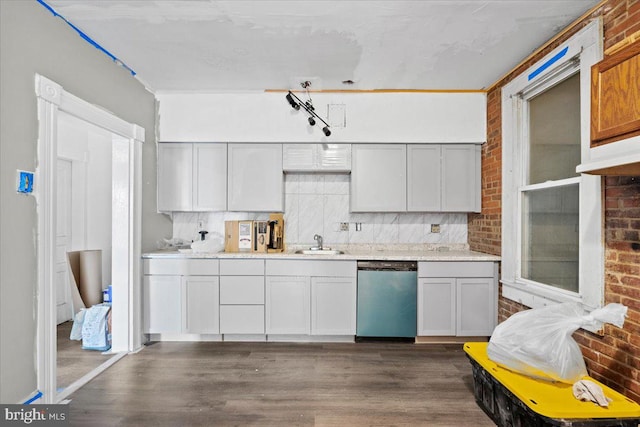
(577, 54)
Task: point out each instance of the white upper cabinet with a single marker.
(209, 177)
(192, 177)
(443, 178)
(461, 188)
(424, 184)
(175, 177)
(255, 178)
(316, 157)
(379, 178)
(415, 178)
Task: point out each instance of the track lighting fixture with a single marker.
(296, 103)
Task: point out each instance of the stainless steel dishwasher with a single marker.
(387, 299)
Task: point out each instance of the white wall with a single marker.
(318, 203)
(33, 41)
(370, 117)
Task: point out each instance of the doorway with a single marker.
(83, 212)
(124, 142)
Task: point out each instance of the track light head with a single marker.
(292, 102)
(326, 131)
(312, 121)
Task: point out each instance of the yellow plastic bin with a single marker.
(512, 399)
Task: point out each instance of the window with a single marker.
(552, 247)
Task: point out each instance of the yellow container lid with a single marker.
(552, 399)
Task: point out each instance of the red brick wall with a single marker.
(614, 358)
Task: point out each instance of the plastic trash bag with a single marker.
(214, 244)
(538, 342)
(76, 328)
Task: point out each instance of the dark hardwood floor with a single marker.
(73, 361)
(282, 384)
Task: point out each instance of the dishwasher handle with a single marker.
(388, 265)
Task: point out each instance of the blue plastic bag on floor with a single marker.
(95, 328)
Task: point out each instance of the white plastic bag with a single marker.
(538, 342)
(214, 244)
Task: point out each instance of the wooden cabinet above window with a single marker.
(615, 96)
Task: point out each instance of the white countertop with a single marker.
(377, 255)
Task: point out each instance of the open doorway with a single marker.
(83, 226)
(121, 142)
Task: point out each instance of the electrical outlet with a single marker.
(201, 224)
(344, 226)
(435, 228)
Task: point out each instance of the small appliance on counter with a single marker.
(238, 236)
(255, 236)
(276, 233)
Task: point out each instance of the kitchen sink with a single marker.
(319, 252)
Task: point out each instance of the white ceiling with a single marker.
(206, 45)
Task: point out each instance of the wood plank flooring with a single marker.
(283, 384)
(73, 361)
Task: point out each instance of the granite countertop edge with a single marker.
(375, 255)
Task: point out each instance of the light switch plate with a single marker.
(25, 182)
(435, 228)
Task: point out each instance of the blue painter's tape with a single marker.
(37, 396)
(86, 37)
(549, 63)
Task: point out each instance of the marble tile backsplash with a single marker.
(319, 203)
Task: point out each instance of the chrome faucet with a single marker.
(318, 238)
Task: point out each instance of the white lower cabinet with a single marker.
(162, 307)
(333, 306)
(311, 297)
(436, 306)
(457, 298)
(200, 299)
(180, 296)
(242, 297)
(287, 305)
(180, 304)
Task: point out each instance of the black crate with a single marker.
(506, 410)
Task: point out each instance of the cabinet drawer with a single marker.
(242, 267)
(455, 269)
(181, 266)
(241, 289)
(242, 319)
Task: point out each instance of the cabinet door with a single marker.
(461, 178)
(200, 302)
(379, 178)
(298, 157)
(242, 319)
(333, 306)
(437, 307)
(476, 307)
(423, 178)
(175, 176)
(614, 96)
(287, 305)
(162, 308)
(333, 157)
(256, 181)
(209, 177)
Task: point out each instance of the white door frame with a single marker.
(127, 185)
